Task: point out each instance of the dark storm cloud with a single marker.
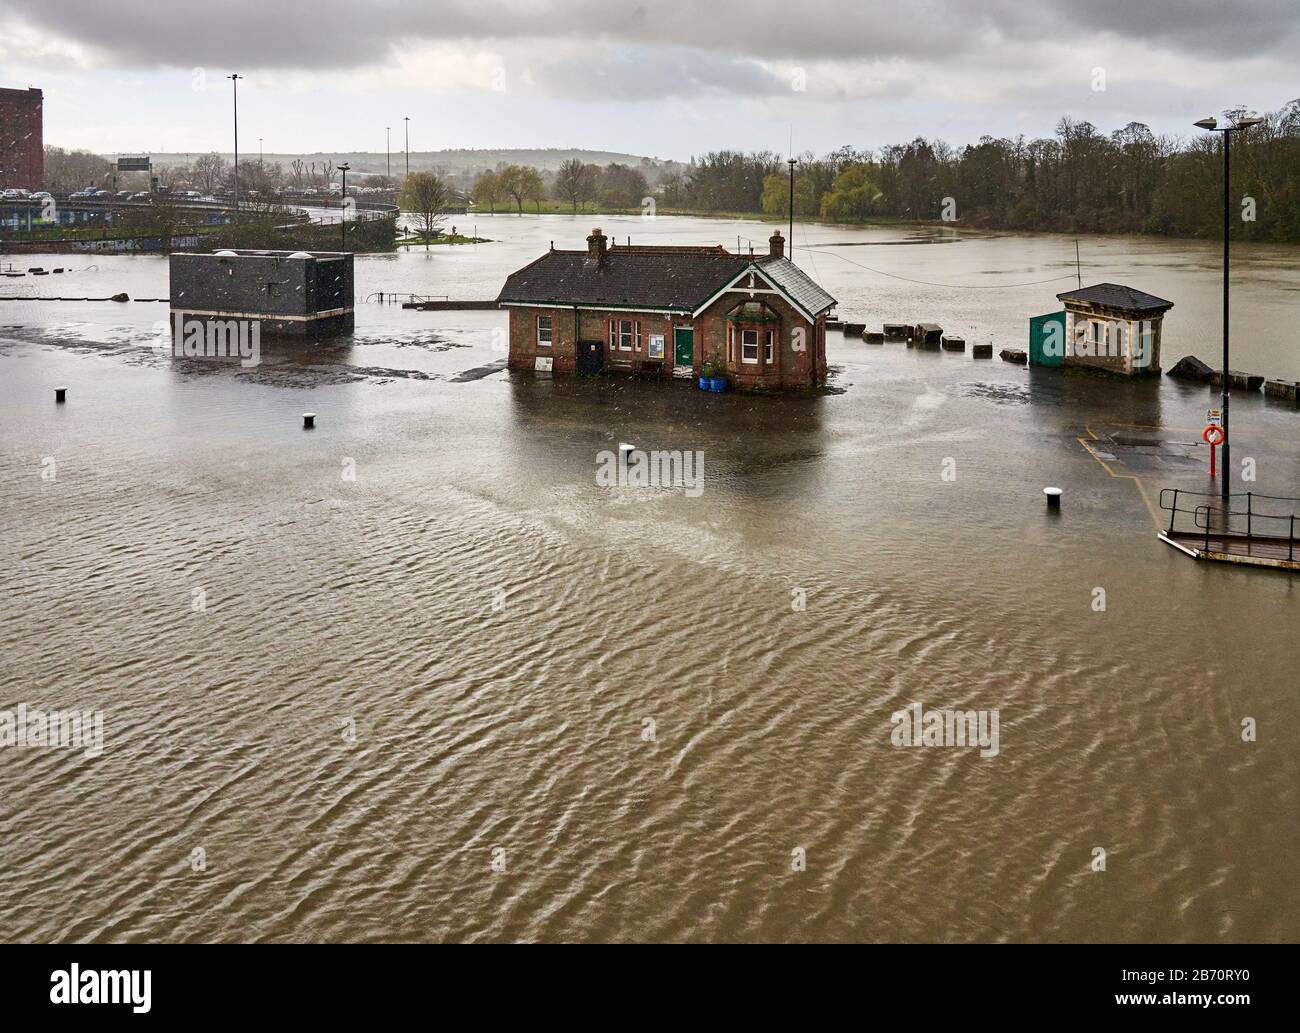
(327, 34)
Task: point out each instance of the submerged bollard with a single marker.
(1053, 497)
(60, 394)
(308, 420)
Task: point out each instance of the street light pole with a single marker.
(792, 162)
(1225, 476)
(1212, 125)
(407, 120)
(344, 220)
(234, 78)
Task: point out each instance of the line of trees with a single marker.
(1128, 181)
(573, 183)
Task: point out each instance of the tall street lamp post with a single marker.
(407, 120)
(344, 220)
(1230, 127)
(792, 162)
(234, 78)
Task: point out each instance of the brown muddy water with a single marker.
(473, 695)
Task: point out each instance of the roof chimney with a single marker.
(595, 248)
(776, 245)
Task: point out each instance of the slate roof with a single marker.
(1113, 295)
(680, 279)
(798, 284)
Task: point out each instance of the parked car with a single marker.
(123, 195)
(141, 196)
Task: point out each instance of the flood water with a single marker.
(470, 694)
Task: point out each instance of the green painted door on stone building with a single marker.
(1047, 339)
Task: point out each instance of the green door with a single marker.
(1047, 339)
(683, 346)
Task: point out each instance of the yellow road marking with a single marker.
(1142, 490)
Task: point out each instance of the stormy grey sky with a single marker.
(663, 77)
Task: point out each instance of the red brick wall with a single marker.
(22, 149)
(791, 370)
(592, 325)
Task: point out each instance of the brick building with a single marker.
(22, 148)
(670, 310)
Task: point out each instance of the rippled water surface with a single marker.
(474, 653)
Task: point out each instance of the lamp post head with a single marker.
(1207, 123)
(1248, 121)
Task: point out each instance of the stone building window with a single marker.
(544, 331)
(749, 346)
(1096, 336)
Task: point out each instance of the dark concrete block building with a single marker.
(759, 318)
(22, 145)
(292, 293)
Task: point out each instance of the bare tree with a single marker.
(211, 169)
(426, 196)
(573, 182)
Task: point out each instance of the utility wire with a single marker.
(931, 283)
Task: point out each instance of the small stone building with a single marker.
(1115, 328)
(670, 310)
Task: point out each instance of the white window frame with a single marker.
(617, 335)
(767, 347)
(745, 346)
(549, 330)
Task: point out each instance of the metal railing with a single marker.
(1220, 518)
(385, 297)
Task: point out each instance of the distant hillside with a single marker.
(453, 162)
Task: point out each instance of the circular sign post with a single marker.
(1214, 435)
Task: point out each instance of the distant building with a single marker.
(1106, 326)
(291, 293)
(670, 309)
(22, 145)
